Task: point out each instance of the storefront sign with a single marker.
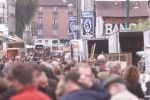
(112, 28)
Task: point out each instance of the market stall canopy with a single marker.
(15, 39)
(15, 42)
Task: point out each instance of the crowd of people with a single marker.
(59, 79)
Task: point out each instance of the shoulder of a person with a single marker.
(42, 95)
(27, 95)
(75, 95)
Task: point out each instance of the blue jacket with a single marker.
(95, 93)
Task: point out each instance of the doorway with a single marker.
(131, 42)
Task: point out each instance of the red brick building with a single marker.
(50, 24)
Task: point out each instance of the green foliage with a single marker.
(25, 10)
(142, 25)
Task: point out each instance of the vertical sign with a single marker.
(75, 50)
(72, 23)
(88, 23)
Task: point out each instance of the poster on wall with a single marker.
(72, 23)
(88, 23)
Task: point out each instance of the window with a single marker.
(39, 41)
(55, 9)
(55, 41)
(55, 21)
(39, 12)
(46, 41)
(40, 9)
(39, 20)
(55, 32)
(39, 33)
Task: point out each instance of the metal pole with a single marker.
(148, 10)
(78, 16)
(3, 13)
(127, 13)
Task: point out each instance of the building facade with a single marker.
(11, 16)
(111, 15)
(50, 24)
(7, 21)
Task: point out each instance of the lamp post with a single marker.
(78, 17)
(3, 10)
(149, 9)
(127, 13)
(78, 8)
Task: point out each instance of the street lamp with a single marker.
(70, 7)
(127, 13)
(149, 9)
(3, 7)
(78, 8)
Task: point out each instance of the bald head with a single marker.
(101, 57)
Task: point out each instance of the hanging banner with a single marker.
(88, 23)
(72, 24)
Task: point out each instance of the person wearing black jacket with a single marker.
(132, 77)
(148, 90)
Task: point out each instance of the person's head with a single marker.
(22, 75)
(86, 75)
(36, 75)
(70, 65)
(11, 60)
(101, 62)
(101, 57)
(114, 68)
(114, 84)
(72, 82)
(56, 68)
(43, 80)
(132, 74)
(3, 84)
(48, 71)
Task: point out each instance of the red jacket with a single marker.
(30, 94)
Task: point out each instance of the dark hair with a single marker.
(70, 63)
(72, 76)
(132, 75)
(23, 73)
(48, 72)
(37, 67)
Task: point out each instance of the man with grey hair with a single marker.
(117, 88)
(101, 57)
(101, 63)
(100, 66)
(114, 69)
